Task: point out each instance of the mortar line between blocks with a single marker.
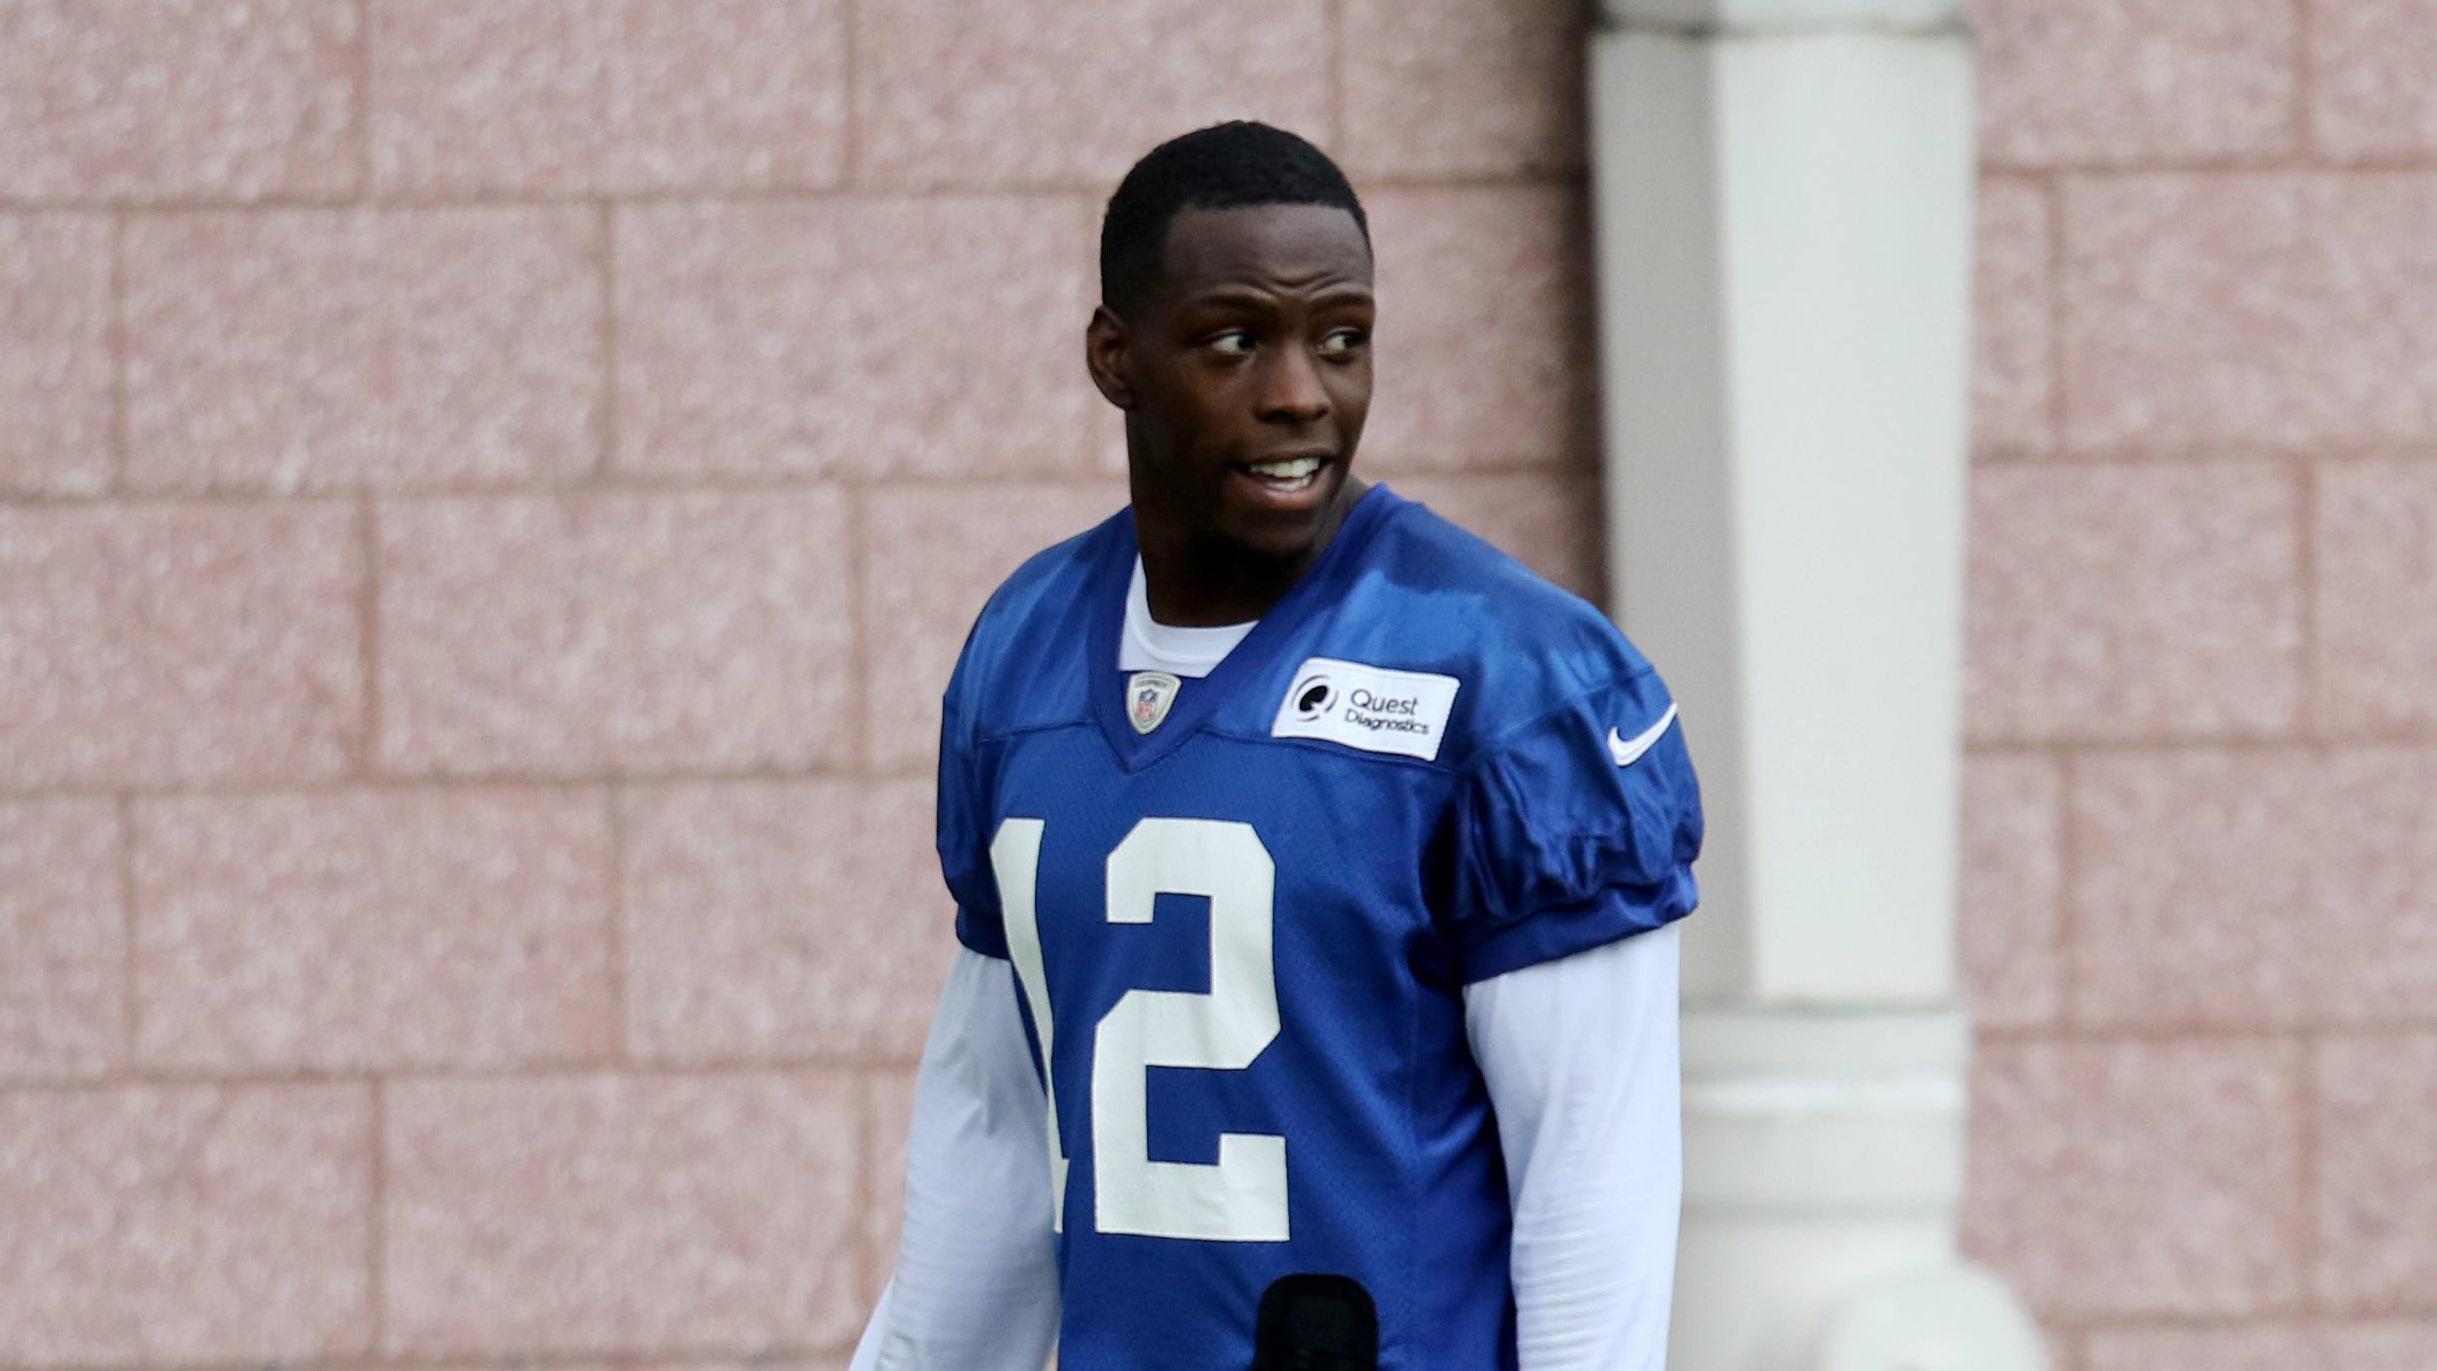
(368, 628)
(2313, 1300)
(504, 198)
(1338, 134)
(855, 502)
(131, 963)
(841, 1066)
(2227, 165)
(606, 460)
(2069, 877)
(2308, 723)
(850, 125)
(361, 107)
(646, 482)
(622, 1030)
(703, 1356)
(2184, 1032)
(2052, 204)
(116, 340)
(240, 788)
(2305, 79)
(376, 1269)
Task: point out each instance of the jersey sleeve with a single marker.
(963, 836)
(1575, 829)
(975, 1284)
(1583, 1061)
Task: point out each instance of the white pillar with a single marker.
(1784, 192)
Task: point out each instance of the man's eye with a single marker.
(1235, 342)
(1341, 341)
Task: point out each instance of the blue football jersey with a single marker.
(1241, 936)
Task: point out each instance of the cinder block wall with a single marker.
(490, 491)
(2201, 818)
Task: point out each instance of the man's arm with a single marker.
(1580, 1055)
(976, 1282)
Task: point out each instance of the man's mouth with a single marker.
(1287, 475)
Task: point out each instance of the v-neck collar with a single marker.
(1317, 586)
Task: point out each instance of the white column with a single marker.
(1784, 192)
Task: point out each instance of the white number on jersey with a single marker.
(1241, 1198)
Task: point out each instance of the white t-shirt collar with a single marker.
(1150, 645)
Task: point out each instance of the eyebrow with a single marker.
(1237, 295)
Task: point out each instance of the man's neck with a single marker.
(1201, 580)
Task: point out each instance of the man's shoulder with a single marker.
(1520, 645)
(1433, 558)
(1048, 581)
(1024, 628)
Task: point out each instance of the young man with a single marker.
(1316, 868)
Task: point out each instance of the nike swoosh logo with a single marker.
(1627, 751)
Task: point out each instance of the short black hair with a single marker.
(1224, 166)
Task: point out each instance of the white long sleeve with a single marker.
(976, 1282)
(1582, 1062)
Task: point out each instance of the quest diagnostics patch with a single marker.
(1369, 707)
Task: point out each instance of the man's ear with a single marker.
(1107, 344)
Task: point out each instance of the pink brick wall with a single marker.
(482, 532)
(490, 492)
(2201, 794)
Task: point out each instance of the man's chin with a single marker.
(1288, 531)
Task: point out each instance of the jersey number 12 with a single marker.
(1241, 1198)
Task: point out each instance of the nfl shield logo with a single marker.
(1147, 697)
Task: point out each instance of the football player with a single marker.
(1316, 867)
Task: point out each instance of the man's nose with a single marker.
(1290, 387)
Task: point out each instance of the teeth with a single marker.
(1293, 469)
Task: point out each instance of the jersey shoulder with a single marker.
(1432, 556)
(1439, 595)
(1014, 670)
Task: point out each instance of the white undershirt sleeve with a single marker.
(1581, 1058)
(976, 1282)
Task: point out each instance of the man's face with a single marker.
(1246, 374)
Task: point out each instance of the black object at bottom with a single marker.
(1316, 1323)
